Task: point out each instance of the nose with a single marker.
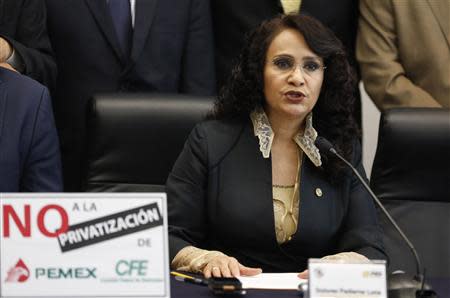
(297, 77)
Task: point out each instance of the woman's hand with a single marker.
(224, 266)
(343, 256)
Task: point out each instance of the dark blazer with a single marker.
(29, 147)
(23, 25)
(172, 52)
(220, 197)
(233, 19)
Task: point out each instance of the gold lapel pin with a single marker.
(319, 192)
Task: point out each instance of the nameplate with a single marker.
(84, 245)
(338, 279)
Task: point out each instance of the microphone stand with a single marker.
(419, 276)
(400, 285)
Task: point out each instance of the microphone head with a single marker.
(324, 146)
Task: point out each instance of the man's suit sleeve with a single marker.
(198, 74)
(42, 170)
(361, 231)
(186, 194)
(380, 61)
(32, 44)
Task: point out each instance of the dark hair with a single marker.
(333, 112)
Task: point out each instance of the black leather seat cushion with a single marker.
(411, 176)
(413, 155)
(134, 139)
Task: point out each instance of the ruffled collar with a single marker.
(265, 134)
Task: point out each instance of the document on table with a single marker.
(276, 281)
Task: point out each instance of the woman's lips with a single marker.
(295, 96)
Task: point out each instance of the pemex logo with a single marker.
(18, 273)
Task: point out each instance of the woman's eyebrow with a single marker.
(283, 56)
(305, 58)
(311, 58)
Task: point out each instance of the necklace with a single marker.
(284, 205)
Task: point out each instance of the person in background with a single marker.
(29, 147)
(233, 19)
(250, 191)
(403, 48)
(124, 46)
(24, 42)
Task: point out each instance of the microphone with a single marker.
(400, 285)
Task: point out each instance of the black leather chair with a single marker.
(134, 139)
(411, 176)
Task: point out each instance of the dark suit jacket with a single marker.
(29, 147)
(233, 19)
(172, 51)
(23, 25)
(220, 197)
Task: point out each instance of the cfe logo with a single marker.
(132, 267)
(18, 273)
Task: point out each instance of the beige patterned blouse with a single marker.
(286, 199)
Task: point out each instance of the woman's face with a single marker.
(293, 76)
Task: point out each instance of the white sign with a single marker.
(84, 245)
(338, 279)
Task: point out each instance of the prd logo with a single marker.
(18, 273)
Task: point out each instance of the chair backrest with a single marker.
(411, 176)
(134, 139)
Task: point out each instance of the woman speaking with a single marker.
(250, 191)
